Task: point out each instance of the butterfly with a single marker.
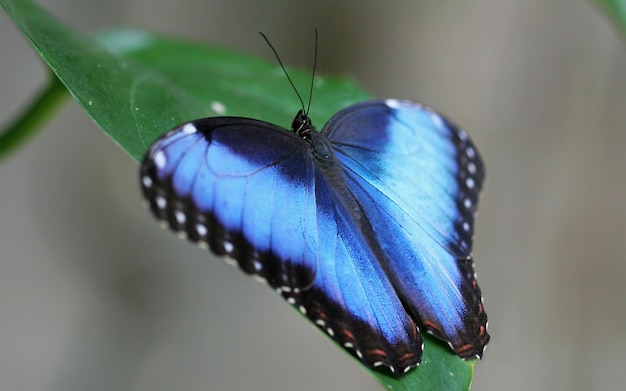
(365, 227)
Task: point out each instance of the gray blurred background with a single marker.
(95, 296)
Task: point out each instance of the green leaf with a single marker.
(440, 370)
(616, 11)
(136, 85)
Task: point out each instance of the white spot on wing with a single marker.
(228, 246)
(160, 160)
(393, 103)
(147, 182)
(471, 167)
(470, 183)
(189, 128)
(161, 202)
(180, 217)
(201, 229)
(469, 151)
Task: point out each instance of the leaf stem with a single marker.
(33, 118)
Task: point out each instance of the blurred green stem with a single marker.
(33, 118)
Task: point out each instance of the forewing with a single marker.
(242, 187)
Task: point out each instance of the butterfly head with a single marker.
(302, 125)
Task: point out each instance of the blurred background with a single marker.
(95, 296)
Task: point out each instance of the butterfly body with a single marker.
(365, 227)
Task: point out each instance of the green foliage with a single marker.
(136, 86)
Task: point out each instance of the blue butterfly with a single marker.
(365, 227)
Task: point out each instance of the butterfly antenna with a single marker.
(284, 70)
(313, 75)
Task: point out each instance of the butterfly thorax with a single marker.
(333, 173)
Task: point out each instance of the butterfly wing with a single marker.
(417, 178)
(218, 182)
(253, 191)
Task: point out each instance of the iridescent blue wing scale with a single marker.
(416, 178)
(258, 193)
